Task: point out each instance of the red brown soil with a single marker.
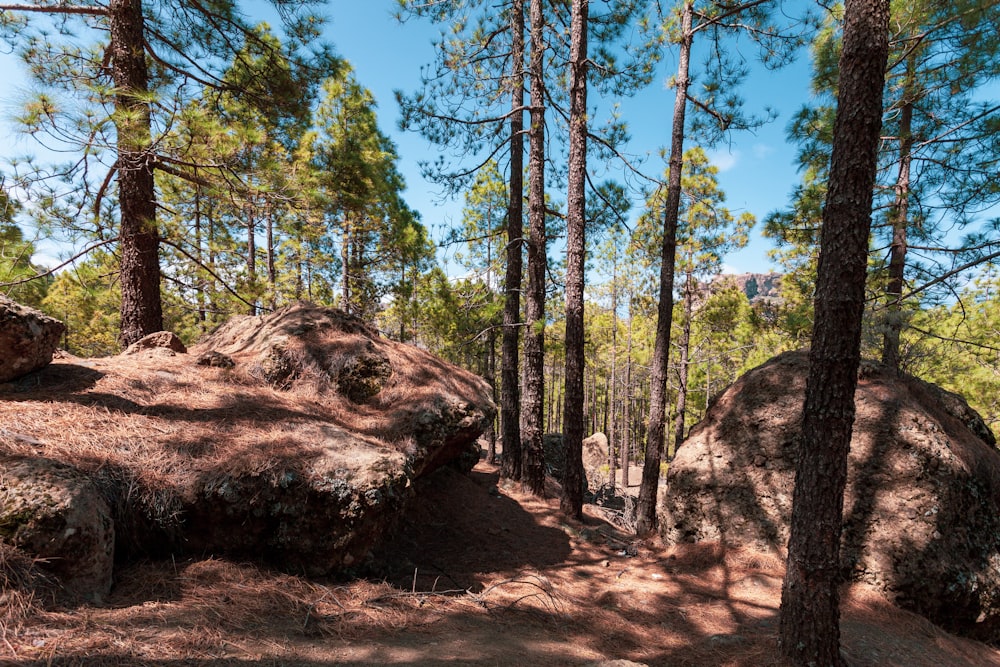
(482, 576)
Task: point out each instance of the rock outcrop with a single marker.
(435, 410)
(595, 460)
(54, 512)
(319, 516)
(165, 340)
(28, 339)
(293, 438)
(326, 516)
(922, 507)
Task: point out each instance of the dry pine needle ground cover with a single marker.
(479, 573)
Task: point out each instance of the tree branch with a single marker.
(942, 278)
(960, 341)
(86, 11)
(212, 273)
(60, 266)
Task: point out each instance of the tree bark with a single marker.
(491, 370)
(510, 395)
(252, 259)
(199, 246)
(533, 395)
(272, 274)
(655, 433)
(139, 240)
(900, 222)
(627, 416)
(345, 267)
(685, 349)
(613, 398)
(571, 501)
(810, 600)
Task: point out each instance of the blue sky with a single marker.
(757, 170)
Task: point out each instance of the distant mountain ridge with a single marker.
(758, 287)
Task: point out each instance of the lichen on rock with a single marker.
(28, 339)
(55, 513)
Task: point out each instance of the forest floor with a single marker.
(479, 574)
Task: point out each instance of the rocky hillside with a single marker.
(759, 287)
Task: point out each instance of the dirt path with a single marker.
(478, 575)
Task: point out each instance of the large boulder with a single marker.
(54, 513)
(28, 339)
(319, 515)
(922, 506)
(293, 438)
(595, 460)
(397, 413)
(433, 409)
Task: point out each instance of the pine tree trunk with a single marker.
(685, 350)
(345, 267)
(532, 388)
(510, 395)
(198, 249)
(605, 408)
(491, 371)
(550, 400)
(627, 417)
(139, 240)
(272, 275)
(252, 260)
(571, 501)
(900, 222)
(212, 256)
(655, 433)
(613, 398)
(810, 600)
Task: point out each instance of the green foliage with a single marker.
(725, 31)
(359, 186)
(955, 346)
(81, 297)
(117, 104)
(482, 237)
(706, 230)
(15, 259)
(937, 163)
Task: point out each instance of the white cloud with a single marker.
(723, 158)
(45, 260)
(730, 270)
(761, 151)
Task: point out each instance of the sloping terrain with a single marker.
(484, 575)
(477, 573)
(298, 450)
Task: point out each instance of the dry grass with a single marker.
(24, 590)
(481, 574)
(694, 605)
(147, 426)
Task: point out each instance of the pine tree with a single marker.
(142, 72)
(810, 614)
(361, 186)
(706, 230)
(718, 111)
(571, 501)
(17, 272)
(937, 158)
